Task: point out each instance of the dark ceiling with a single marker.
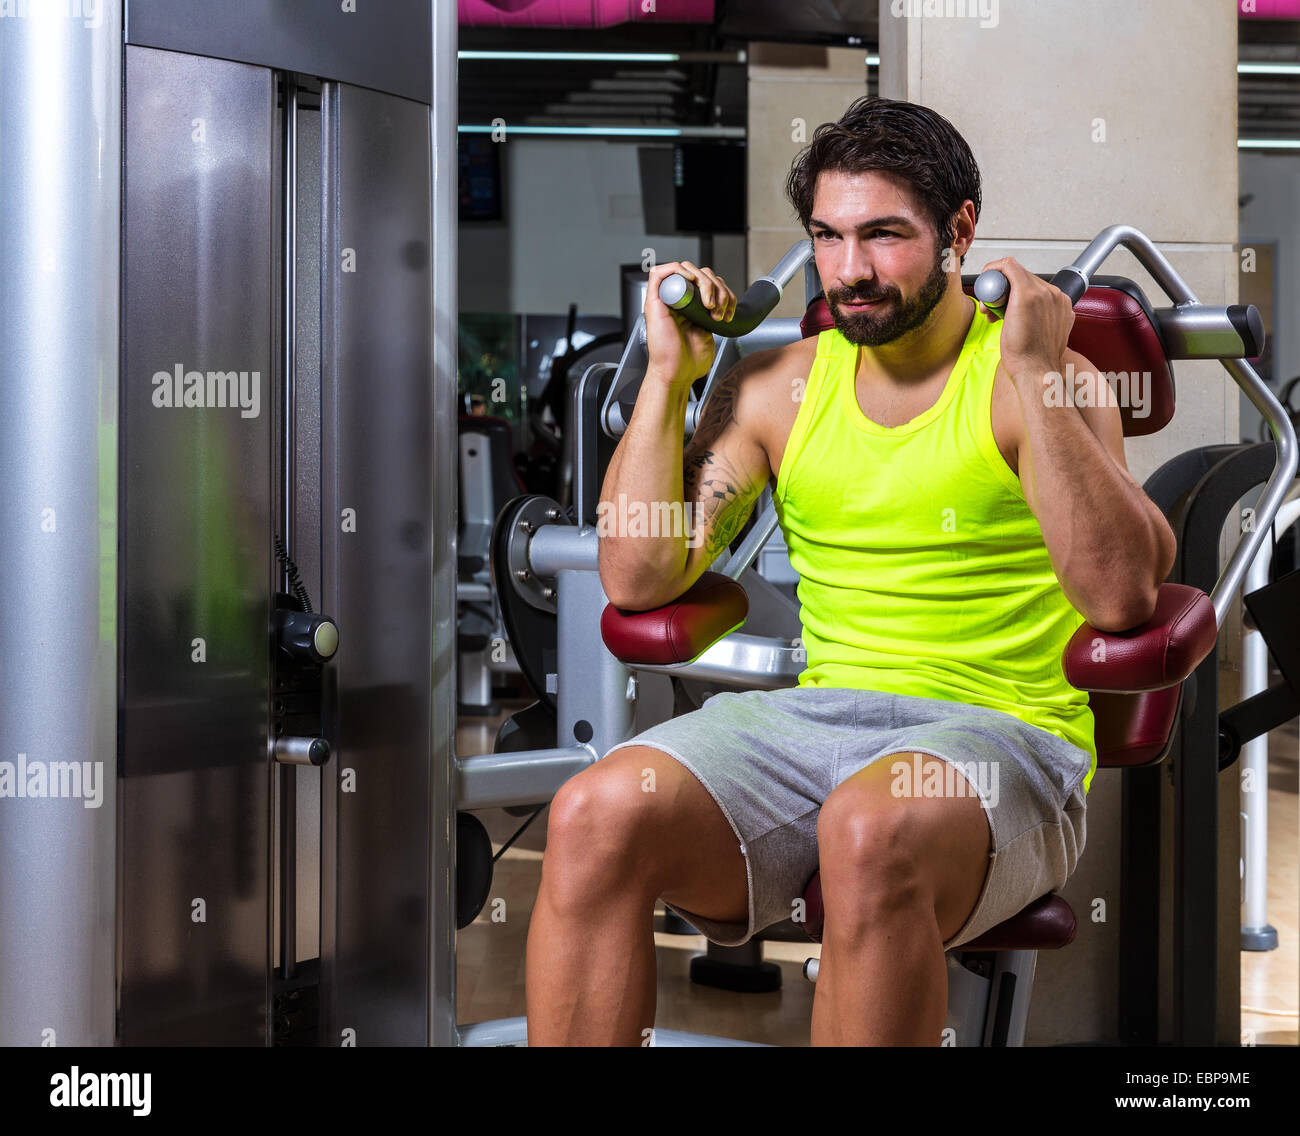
(711, 92)
(598, 93)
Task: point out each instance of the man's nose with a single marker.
(854, 269)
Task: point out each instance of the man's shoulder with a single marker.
(770, 391)
(780, 365)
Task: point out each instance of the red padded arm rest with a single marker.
(680, 631)
(1160, 653)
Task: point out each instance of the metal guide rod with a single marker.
(288, 781)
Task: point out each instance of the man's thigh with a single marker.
(1030, 784)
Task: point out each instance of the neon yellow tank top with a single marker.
(922, 570)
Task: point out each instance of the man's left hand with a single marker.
(1037, 320)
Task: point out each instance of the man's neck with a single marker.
(926, 350)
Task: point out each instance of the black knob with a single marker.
(308, 636)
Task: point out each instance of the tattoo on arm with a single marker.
(720, 492)
(719, 410)
(719, 497)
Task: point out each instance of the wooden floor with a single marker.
(490, 955)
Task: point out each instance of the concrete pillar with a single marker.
(793, 89)
(1082, 116)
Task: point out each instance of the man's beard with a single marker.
(891, 318)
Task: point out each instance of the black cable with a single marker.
(295, 580)
(519, 833)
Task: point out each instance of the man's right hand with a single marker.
(679, 352)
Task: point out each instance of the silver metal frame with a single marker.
(1193, 330)
(1256, 932)
(441, 1024)
(59, 360)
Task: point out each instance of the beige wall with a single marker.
(1081, 115)
(793, 89)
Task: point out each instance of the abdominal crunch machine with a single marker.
(733, 629)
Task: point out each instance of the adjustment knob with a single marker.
(308, 636)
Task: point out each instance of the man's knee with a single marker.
(871, 843)
(888, 850)
(600, 824)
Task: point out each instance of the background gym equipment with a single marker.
(1256, 932)
(240, 346)
(487, 480)
(495, 467)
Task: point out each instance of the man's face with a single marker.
(894, 260)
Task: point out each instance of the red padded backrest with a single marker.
(1114, 329)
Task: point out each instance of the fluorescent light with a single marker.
(622, 131)
(1268, 68)
(1268, 143)
(604, 56)
(575, 56)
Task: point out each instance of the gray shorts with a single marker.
(769, 758)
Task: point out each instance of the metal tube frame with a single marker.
(60, 358)
(1256, 933)
(286, 775)
(444, 182)
(1284, 471)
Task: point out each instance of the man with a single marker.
(951, 526)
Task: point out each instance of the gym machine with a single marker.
(487, 479)
(1257, 934)
(1199, 491)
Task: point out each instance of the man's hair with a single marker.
(901, 138)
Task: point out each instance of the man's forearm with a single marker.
(645, 471)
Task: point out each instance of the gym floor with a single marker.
(490, 956)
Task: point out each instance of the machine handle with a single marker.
(751, 309)
(991, 288)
